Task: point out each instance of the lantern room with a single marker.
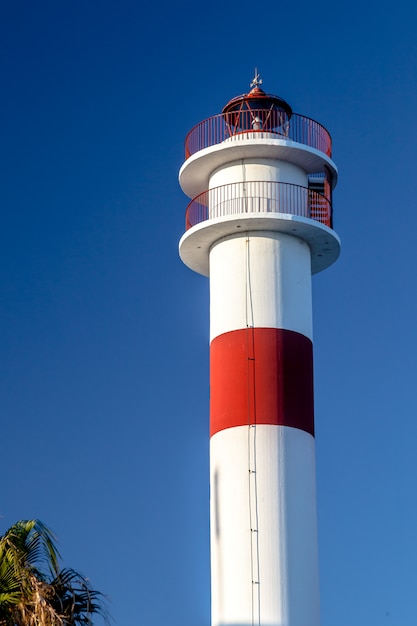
(257, 111)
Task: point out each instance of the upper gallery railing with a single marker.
(255, 124)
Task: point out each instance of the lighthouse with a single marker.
(259, 224)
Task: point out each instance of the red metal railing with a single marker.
(256, 124)
(258, 197)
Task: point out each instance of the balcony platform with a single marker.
(195, 173)
(195, 244)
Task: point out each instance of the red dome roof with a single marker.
(257, 99)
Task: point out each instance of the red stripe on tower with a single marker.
(261, 376)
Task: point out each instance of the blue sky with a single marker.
(104, 333)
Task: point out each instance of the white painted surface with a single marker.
(195, 173)
(264, 554)
(258, 169)
(195, 244)
(260, 279)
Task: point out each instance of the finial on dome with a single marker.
(257, 79)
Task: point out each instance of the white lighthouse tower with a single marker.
(259, 225)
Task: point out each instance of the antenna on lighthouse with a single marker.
(257, 80)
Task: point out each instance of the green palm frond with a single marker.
(32, 545)
(74, 598)
(34, 591)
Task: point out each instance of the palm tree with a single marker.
(34, 591)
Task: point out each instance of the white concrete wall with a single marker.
(265, 532)
(260, 279)
(264, 554)
(258, 169)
